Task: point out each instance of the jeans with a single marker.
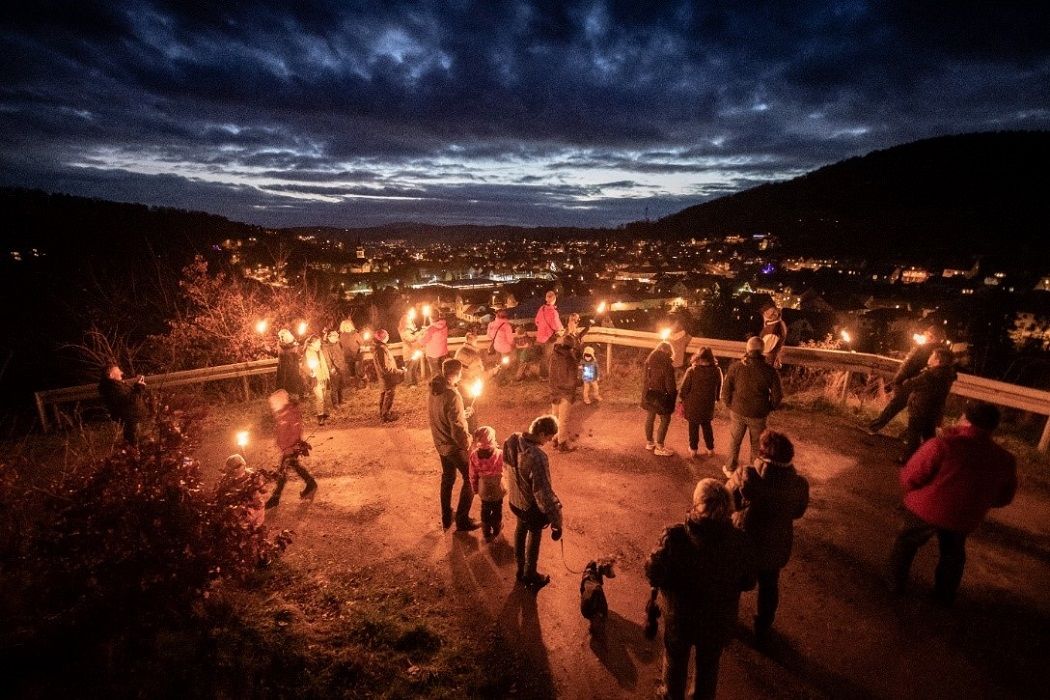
(414, 371)
(491, 517)
(526, 547)
(661, 432)
(768, 598)
(335, 386)
(738, 425)
(914, 533)
(676, 668)
(386, 402)
(546, 350)
(434, 365)
(450, 465)
(694, 435)
(320, 392)
(591, 390)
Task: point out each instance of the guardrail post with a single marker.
(41, 410)
(608, 358)
(845, 386)
(1044, 441)
(247, 391)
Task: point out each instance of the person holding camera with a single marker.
(125, 401)
(289, 438)
(699, 568)
(532, 499)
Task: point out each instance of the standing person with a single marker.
(350, 341)
(927, 392)
(590, 374)
(473, 370)
(288, 377)
(774, 333)
(316, 377)
(949, 486)
(564, 378)
(532, 499)
(700, 389)
(699, 568)
(435, 345)
(501, 333)
(388, 373)
(916, 361)
(525, 353)
(333, 355)
(679, 340)
(769, 496)
(125, 401)
(658, 397)
(448, 427)
(289, 438)
(751, 391)
(410, 334)
(486, 480)
(548, 328)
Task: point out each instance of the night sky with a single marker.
(536, 113)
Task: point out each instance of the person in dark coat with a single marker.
(700, 567)
(751, 391)
(448, 427)
(339, 372)
(700, 389)
(564, 378)
(658, 397)
(773, 334)
(915, 362)
(389, 375)
(927, 393)
(288, 358)
(350, 341)
(769, 496)
(949, 486)
(125, 401)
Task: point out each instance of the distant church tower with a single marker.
(360, 250)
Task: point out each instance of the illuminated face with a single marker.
(116, 373)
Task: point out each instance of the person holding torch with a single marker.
(448, 427)
(411, 333)
(914, 363)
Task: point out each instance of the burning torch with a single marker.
(300, 330)
(602, 308)
(476, 387)
(242, 441)
(426, 313)
(847, 339)
(261, 326)
(665, 333)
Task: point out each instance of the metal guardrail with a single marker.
(967, 385)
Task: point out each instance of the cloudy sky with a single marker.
(536, 113)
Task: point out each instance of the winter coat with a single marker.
(679, 341)
(448, 418)
(246, 480)
(701, 386)
(288, 377)
(410, 336)
(527, 475)
(473, 365)
(589, 371)
(700, 569)
(751, 387)
(954, 479)
(502, 335)
(927, 393)
(322, 373)
(913, 363)
(548, 323)
(435, 339)
(768, 498)
(289, 427)
(563, 375)
(386, 366)
(351, 345)
(486, 474)
(125, 401)
(333, 355)
(659, 376)
(773, 336)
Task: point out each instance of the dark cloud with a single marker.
(473, 109)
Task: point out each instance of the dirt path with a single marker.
(839, 633)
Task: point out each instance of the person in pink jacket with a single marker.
(548, 326)
(501, 333)
(950, 484)
(486, 480)
(435, 345)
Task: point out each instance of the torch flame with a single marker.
(476, 388)
(242, 438)
(426, 310)
(505, 360)
(919, 338)
(261, 326)
(418, 354)
(665, 333)
(602, 306)
(301, 329)
(846, 337)
(412, 314)
(367, 335)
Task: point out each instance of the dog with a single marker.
(593, 605)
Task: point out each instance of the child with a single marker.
(486, 472)
(589, 375)
(236, 476)
(289, 439)
(525, 350)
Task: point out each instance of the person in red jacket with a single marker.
(289, 438)
(548, 329)
(949, 486)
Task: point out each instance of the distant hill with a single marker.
(453, 233)
(983, 194)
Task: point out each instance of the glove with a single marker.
(555, 533)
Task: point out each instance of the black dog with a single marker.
(593, 605)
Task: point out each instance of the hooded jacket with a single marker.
(564, 376)
(769, 497)
(386, 366)
(288, 377)
(751, 387)
(333, 353)
(701, 386)
(350, 342)
(289, 427)
(435, 339)
(448, 419)
(486, 473)
(527, 475)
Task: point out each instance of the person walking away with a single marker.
(751, 391)
(448, 427)
(525, 352)
(289, 438)
(914, 362)
(700, 568)
(590, 375)
(658, 397)
(125, 401)
(501, 333)
(531, 496)
(949, 486)
(679, 340)
(435, 345)
(288, 376)
(548, 328)
(563, 379)
(700, 389)
(350, 341)
(769, 496)
(927, 393)
(411, 334)
(388, 373)
(773, 334)
(333, 355)
(316, 377)
(486, 480)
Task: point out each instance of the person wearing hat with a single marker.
(699, 569)
(435, 345)
(340, 371)
(589, 374)
(548, 329)
(751, 391)
(773, 335)
(288, 377)
(914, 363)
(486, 480)
(389, 375)
(236, 479)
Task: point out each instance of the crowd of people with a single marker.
(738, 533)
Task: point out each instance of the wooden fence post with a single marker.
(1044, 441)
(608, 358)
(41, 410)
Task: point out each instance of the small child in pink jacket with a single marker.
(486, 478)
